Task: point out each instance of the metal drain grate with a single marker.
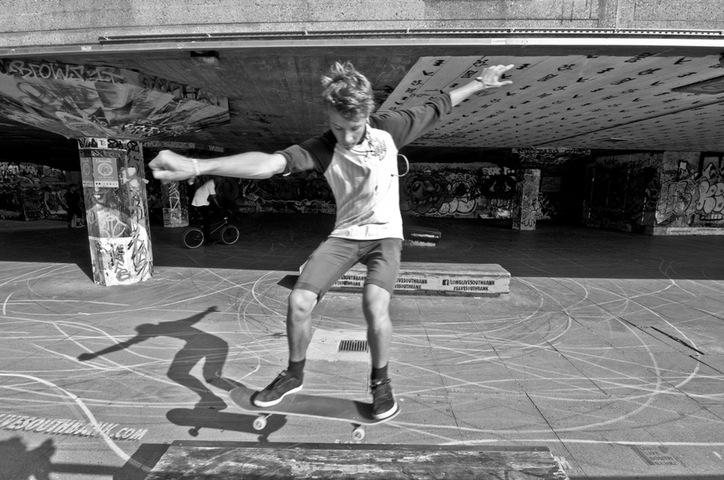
(352, 346)
(655, 455)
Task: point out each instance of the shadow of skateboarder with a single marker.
(198, 346)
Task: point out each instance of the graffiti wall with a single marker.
(458, 190)
(116, 210)
(692, 191)
(651, 192)
(304, 192)
(32, 192)
(461, 190)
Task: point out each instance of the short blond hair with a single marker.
(347, 91)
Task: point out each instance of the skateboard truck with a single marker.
(358, 431)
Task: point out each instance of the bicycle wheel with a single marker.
(229, 234)
(193, 237)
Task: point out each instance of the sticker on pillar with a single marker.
(86, 171)
(105, 173)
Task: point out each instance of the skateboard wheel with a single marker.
(358, 433)
(259, 423)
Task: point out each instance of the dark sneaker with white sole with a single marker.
(383, 400)
(273, 394)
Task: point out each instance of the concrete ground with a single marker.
(608, 350)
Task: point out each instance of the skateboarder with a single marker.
(358, 157)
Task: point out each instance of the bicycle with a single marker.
(193, 237)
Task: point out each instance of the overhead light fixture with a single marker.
(713, 86)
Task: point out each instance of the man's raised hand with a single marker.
(490, 77)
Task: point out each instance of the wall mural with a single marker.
(32, 192)
(683, 190)
(692, 194)
(461, 190)
(482, 190)
(79, 101)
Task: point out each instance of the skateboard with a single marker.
(359, 414)
(200, 418)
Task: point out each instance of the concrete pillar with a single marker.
(609, 12)
(526, 205)
(114, 189)
(175, 204)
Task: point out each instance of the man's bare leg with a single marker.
(299, 334)
(376, 305)
(299, 322)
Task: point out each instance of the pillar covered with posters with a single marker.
(175, 209)
(114, 188)
(526, 205)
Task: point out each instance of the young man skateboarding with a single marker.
(358, 157)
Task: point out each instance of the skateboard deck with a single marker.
(357, 413)
(203, 418)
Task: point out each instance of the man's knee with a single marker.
(301, 303)
(376, 303)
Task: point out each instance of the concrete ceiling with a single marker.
(577, 93)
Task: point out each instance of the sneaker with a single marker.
(383, 401)
(282, 386)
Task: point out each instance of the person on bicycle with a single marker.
(204, 197)
(358, 157)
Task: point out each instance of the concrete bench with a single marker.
(232, 461)
(427, 278)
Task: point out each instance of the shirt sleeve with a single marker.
(313, 154)
(409, 124)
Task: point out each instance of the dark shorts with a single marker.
(335, 256)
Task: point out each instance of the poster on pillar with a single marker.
(86, 170)
(105, 172)
(98, 171)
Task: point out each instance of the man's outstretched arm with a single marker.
(169, 166)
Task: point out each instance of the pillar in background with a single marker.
(527, 205)
(175, 206)
(114, 190)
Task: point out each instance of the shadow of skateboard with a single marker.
(359, 414)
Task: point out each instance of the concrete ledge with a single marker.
(422, 278)
(235, 460)
(672, 231)
(422, 237)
